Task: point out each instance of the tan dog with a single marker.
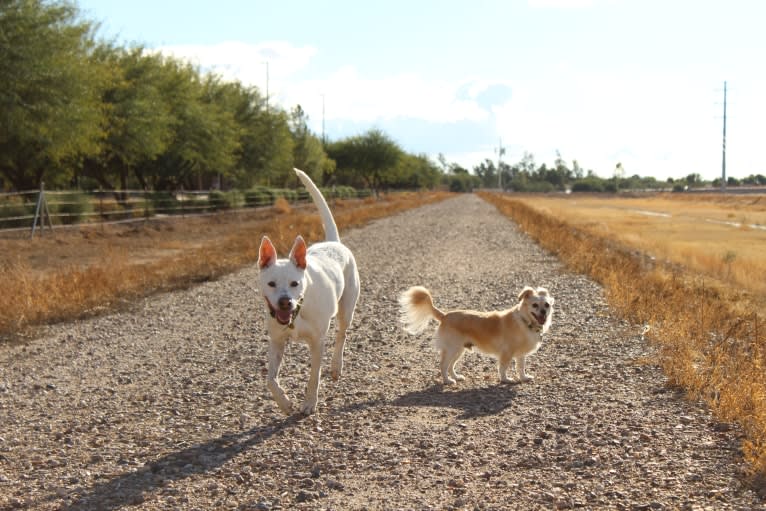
(509, 335)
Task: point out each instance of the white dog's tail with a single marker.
(330, 229)
(417, 308)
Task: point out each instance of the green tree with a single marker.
(50, 88)
(415, 171)
(205, 139)
(308, 150)
(368, 160)
(487, 173)
(138, 122)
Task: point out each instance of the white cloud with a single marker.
(349, 96)
(660, 125)
(250, 64)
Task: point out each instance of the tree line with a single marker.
(79, 112)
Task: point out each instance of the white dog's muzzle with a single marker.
(285, 317)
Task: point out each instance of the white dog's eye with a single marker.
(547, 306)
(272, 284)
(293, 284)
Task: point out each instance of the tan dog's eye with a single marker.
(272, 284)
(547, 306)
(534, 305)
(293, 284)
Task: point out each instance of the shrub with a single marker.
(288, 194)
(219, 200)
(163, 203)
(69, 207)
(588, 185)
(259, 196)
(16, 207)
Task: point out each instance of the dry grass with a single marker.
(721, 240)
(77, 272)
(710, 334)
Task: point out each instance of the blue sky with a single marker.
(599, 81)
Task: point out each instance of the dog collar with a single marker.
(291, 324)
(535, 327)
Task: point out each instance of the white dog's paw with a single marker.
(308, 407)
(449, 381)
(286, 406)
(459, 377)
(505, 379)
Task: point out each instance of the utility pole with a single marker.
(500, 153)
(323, 140)
(267, 86)
(723, 159)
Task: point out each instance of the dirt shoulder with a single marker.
(164, 406)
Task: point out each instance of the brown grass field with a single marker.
(76, 272)
(678, 266)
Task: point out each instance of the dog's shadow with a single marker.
(131, 488)
(474, 402)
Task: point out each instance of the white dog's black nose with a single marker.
(284, 303)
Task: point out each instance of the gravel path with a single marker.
(165, 406)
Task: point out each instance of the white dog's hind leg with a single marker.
(309, 406)
(344, 318)
(276, 351)
(336, 370)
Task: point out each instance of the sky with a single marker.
(602, 82)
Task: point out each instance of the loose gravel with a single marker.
(164, 406)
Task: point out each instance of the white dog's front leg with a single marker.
(276, 351)
(312, 389)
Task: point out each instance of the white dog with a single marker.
(509, 335)
(303, 293)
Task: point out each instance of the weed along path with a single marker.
(165, 406)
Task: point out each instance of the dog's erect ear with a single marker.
(298, 253)
(544, 292)
(526, 292)
(267, 254)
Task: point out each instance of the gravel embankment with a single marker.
(165, 406)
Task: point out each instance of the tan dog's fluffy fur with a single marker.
(509, 335)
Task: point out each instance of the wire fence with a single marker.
(46, 209)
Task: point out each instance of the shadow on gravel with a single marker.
(475, 402)
(130, 488)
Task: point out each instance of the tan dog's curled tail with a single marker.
(417, 308)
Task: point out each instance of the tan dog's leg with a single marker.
(502, 366)
(450, 356)
(276, 352)
(521, 365)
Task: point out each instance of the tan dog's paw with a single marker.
(526, 378)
